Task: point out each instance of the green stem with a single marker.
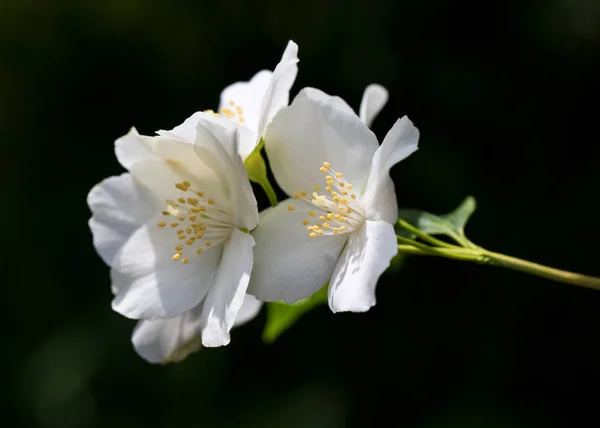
(480, 255)
(456, 253)
(266, 186)
(541, 270)
(425, 237)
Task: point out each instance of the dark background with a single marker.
(506, 97)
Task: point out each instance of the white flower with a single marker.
(338, 225)
(251, 105)
(171, 340)
(174, 231)
(374, 99)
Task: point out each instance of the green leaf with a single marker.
(459, 217)
(451, 224)
(281, 316)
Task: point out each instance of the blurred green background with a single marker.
(506, 97)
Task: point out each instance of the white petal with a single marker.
(380, 197)
(159, 163)
(288, 264)
(374, 99)
(173, 339)
(318, 95)
(187, 130)
(250, 308)
(247, 139)
(277, 95)
(366, 256)
(150, 285)
(249, 96)
(217, 146)
(168, 340)
(308, 133)
(225, 298)
(131, 150)
(119, 206)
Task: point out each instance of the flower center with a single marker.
(198, 222)
(337, 210)
(234, 113)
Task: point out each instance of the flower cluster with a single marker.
(190, 255)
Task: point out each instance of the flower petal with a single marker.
(380, 197)
(250, 308)
(318, 95)
(288, 264)
(131, 150)
(150, 285)
(277, 95)
(366, 256)
(248, 96)
(159, 163)
(308, 133)
(374, 99)
(218, 147)
(119, 206)
(168, 340)
(247, 139)
(225, 298)
(171, 340)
